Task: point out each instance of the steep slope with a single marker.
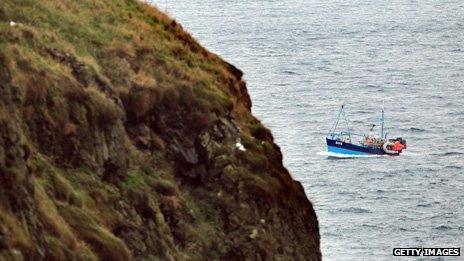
(122, 138)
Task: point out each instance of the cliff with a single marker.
(122, 138)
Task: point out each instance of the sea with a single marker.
(303, 59)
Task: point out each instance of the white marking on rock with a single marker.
(254, 233)
(240, 146)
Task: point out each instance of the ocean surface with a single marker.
(303, 59)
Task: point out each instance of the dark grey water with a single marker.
(302, 59)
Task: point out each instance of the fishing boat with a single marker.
(346, 142)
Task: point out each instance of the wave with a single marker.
(449, 153)
(345, 156)
(353, 210)
(443, 227)
(424, 205)
(289, 72)
(453, 167)
(370, 226)
(413, 129)
(452, 153)
(408, 153)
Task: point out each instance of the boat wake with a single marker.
(408, 153)
(346, 156)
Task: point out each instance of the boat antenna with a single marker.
(382, 122)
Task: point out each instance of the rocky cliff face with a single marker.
(122, 138)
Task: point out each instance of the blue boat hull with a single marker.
(340, 147)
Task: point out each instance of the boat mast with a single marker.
(341, 114)
(382, 123)
(346, 122)
(334, 126)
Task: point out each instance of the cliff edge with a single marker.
(122, 138)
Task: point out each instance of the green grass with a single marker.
(105, 244)
(102, 108)
(164, 187)
(135, 180)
